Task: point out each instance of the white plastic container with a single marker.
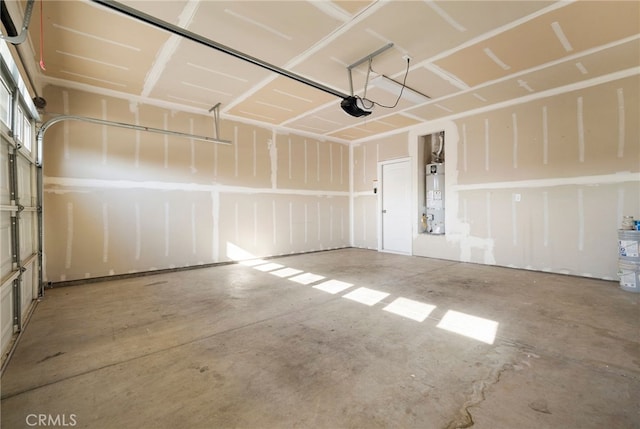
(629, 273)
(629, 245)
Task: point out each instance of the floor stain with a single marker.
(157, 283)
(51, 357)
(540, 405)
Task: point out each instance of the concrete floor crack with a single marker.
(464, 419)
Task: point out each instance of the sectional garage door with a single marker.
(19, 206)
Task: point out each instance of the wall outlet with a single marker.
(517, 198)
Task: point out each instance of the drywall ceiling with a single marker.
(464, 54)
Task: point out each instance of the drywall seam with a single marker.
(620, 211)
(523, 84)
(464, 147)
(446, 17)
(488, 206)
(290, 159)
(235, 150)
(236, 222)
(105, 233)
(319, 218)
(65, 129)
(306, 162)
(562, 37)
(364, 229)
(273, 158)
(330, 163)
(69, 249)
(545, 218)
(599, 80)
(215, 162)
(136, 156)
(506, 27)
(496, 59)
(254, 153)
(580, 130)
(514, 220)
(465, 211)
(193, 229)
(604, 179)
(290, 223)
(514, 120)
(306, 223)
(255, 223)
(61, 83)
(446, 76)
(165, 123)
(621, 122)
(364, 165)
(83, 185)
(486, 145)
(545, 136)
(341, 164)
(273, 219)
(317, 161)
(167, 224)
(105, 138)
(330, 223)
(138, 231)
(192, 144)
(168, 48)
(581, 68)
(328, 39)
(351, 196)
(580, 222)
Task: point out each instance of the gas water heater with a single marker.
(435, 198)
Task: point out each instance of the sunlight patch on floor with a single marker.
(269, 267)
(306, 278)
(285, 272)
(414, 310)
(474, 327)
(470, 326)
(333, 286)
(366, 296)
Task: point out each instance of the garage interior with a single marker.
(327, 214)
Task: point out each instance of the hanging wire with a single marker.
(42, 66)
(369, 104)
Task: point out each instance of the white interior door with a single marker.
(396, 207)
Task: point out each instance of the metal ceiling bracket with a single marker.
(16, 40)
(368, 58)
(216, 119)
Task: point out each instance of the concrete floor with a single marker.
(234, 346)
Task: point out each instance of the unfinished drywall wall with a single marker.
(548, 181)
(540, 185)
(122, 201)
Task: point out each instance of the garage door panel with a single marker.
(26, 289)
(5, 244)
(5, 196)
(6, 314)
(27, 223)
(25, 189)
